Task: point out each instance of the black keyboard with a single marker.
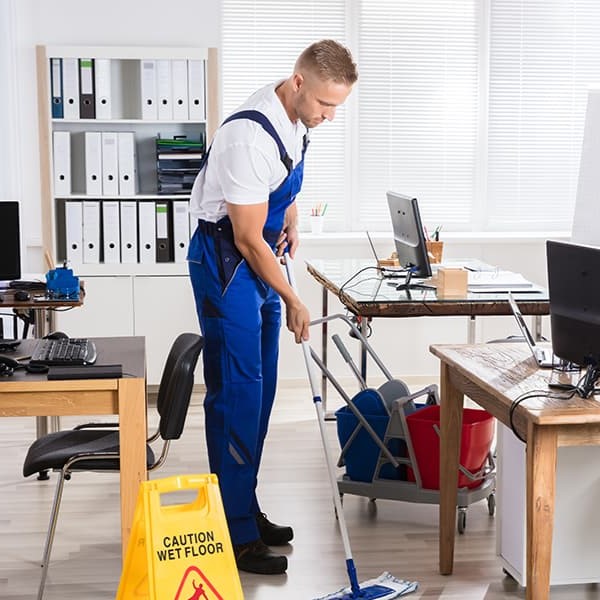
(64, 351)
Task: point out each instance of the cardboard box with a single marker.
(452, 283)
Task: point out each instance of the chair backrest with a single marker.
(177, 381)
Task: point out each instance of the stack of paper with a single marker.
(501, 281)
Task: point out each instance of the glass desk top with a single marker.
(360, 287)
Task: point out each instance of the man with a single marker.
(243, 199)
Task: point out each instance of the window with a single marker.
(476, 107)
(544, 54)
(418, 108)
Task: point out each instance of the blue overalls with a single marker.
(240, 319)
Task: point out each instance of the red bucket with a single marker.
(475, 444)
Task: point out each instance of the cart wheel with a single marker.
(491, 504)
(461, 520)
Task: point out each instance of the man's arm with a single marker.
(248, 221)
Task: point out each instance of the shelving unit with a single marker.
(123, 298)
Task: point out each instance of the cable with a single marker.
(343, 298)
(528, 396)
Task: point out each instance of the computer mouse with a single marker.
(56, 335)
(22, 295)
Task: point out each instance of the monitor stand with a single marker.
(588, 385)
(408, 286)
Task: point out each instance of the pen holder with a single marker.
(435, 251)
(316, 223)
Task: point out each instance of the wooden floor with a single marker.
(386, 536)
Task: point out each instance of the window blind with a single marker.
(418, 108)
(544, 54)
(476, 107)
(261, 40)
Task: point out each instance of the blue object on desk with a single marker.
(62, 284)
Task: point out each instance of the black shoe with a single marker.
(271, 534)
(256, 557)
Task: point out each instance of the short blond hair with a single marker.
(330, 61)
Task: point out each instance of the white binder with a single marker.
(181, 230)
(93, 163)
(71, 88)
(111, 239)
(127, 163)
(148, 89)
(164, 90)
(110, 164)
(74, 232)
(91, 231)
(196, 90)
(147, 229)
(179, 78)
(129, 247)
(103, 88)
(61, 149)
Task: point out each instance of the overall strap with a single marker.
(261, 119)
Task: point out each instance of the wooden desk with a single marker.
(32, 395)
(493, 375)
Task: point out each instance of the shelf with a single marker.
(128, 52)
(136, 197)
(109, 217)
(131, 270)
(127, 122)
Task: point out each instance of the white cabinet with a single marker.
(575, 548)
(100, 181)
(106, 311)
(164, 308)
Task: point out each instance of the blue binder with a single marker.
(56, 87)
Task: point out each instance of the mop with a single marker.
(386, 586)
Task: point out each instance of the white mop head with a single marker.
(397, 587)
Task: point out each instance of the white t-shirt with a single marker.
(244, 165)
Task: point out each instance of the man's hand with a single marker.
(288, 237)
(298, 320)
(289, 234)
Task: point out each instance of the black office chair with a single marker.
(95, 446)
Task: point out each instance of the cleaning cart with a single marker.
(390, 439)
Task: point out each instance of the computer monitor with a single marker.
(574, 290)
(10, 241)
(409, 239)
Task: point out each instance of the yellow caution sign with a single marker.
(180, 551)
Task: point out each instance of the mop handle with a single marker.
(314, 382)
(314, 385)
